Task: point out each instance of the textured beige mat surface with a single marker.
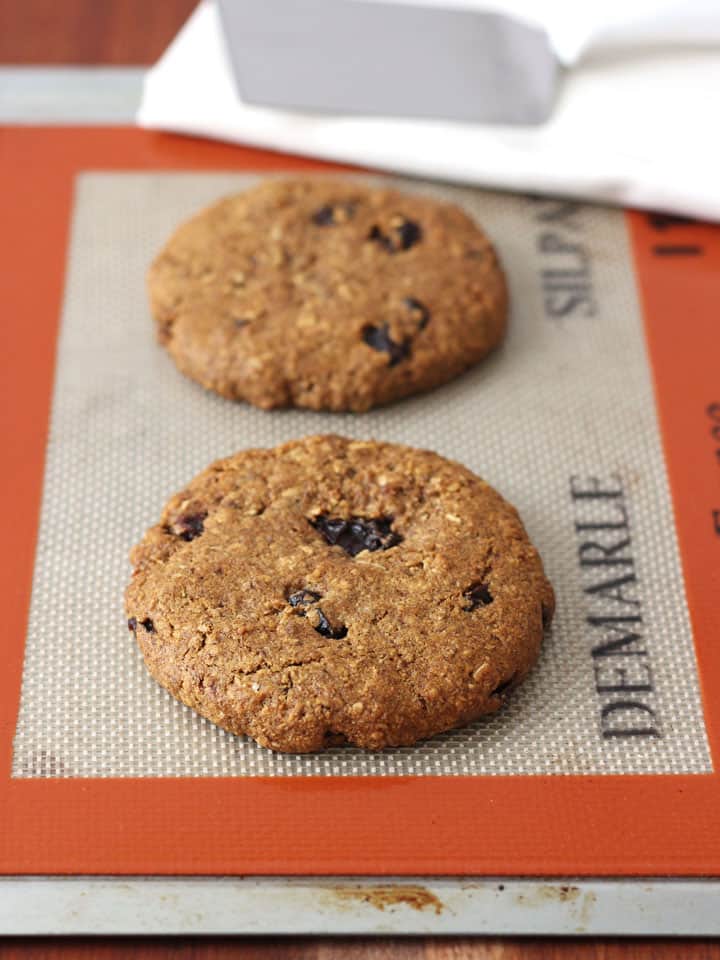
(567, 399)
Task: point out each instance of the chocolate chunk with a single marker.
(357, 533)
(419, 308)
(377, 236)
(302, 598)
(132, 624)
(379, 339)
(324, 217)
(409, 233)
(401, 236)
(478, 595)
(504, 687)
(189, 526)
(148, 624)
(325, 630)
(330, 215)
(546, 615)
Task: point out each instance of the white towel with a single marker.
(638, 127)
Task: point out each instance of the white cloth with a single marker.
(634, 128)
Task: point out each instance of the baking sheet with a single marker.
(353, 905)
(567, 399)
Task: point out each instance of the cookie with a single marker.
(327, 294)
(332, 591)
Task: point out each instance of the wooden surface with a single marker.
(136, 32)
(88, 31)
(333, 948)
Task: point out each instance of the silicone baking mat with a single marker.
(596, 418)
(127, 430)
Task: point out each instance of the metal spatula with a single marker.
(428, 59)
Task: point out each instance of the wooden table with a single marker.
(425, 948)
(136, 32)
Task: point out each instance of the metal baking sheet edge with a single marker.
(352, 905)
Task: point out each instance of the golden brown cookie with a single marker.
(327, 294)
(334, 591)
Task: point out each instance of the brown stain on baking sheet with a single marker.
(544, 892)
(583, 902)
(381, 896)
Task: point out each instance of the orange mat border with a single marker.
(564, 825)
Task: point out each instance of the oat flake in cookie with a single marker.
(332, 591)
(327, 294)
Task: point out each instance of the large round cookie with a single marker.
(330, 591)
(327, 294)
